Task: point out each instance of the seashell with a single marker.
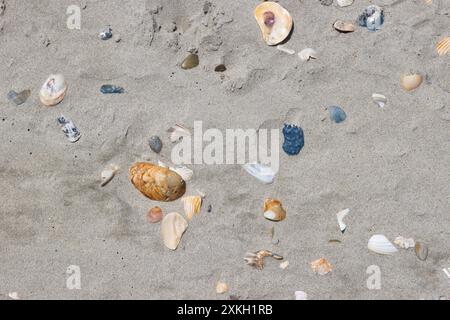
(337, 114)
(220, 68)
(340, 217)
(14, 295)
(344, 26)
(106, 34)
(411, 81)
(177, 132)
(262, 173)
(19, 98)
(185, 173)
(222, 287)
(326, 2)
(372, 18)
(257, 259)
(108, 174)
(192, 206)
(109, 89)
(273, 210)
(404, 242)
(173, 227)
(155, 144)
(284, 265)
(379, 99)
(344, 3)
(443, 46)
(307, 54)
(293, 139)
(301, 295)
(321, 266)
(53, 90)
(70, 130)
(190, 62)
(284, 49)
(381, 245)
(157, 183)
(154, 215)
(421, 251)
(274, 21)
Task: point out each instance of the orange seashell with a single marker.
(273, 210)
(321, 266)
(157, 183)
(154, 215)
(274, 21)
(443, 46)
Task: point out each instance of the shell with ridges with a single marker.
(381, 245)
(274, 21)
(192, 206)
(53, 90)
(443, 46)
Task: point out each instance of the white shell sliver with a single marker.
(381, 245)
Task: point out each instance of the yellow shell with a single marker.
(275, 22)
(157, 183)
(411, 81)
(53, 90)
(273, 210)
(192, 206)
(443, 47)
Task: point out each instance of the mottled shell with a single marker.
(53, 90)
(157, 183)
(274, 21)
(273, 210)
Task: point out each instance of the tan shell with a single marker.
(192, 206)
(321, 266)
(222, 287)
(443, 46)
(157, 183)
(274, 21)
(53, 90)
(173, 227)
(273, 210)
(411, 81)
(344, 26)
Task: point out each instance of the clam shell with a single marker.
(192, 206)
(273, 210)
(443, 46)
(340, 217)
(262, 173)
(155, 215)
(344, 26)
(421, 251)
(185, 173)
(53, 90)
(222, 287)
(321, 266)
(379, 99)
(411, 81)
(108, 174)
(404, 242)
(274, 21)
(381, 245)
(307, 54)
(157, 183)
(344, 3)
(173, 227)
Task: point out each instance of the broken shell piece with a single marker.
(443, 46)
(308, 54)
(155, 215)
(108, 173)
(379, 99)
(404, 242)
(70, 130)
(257, 259)
(185, 173)
(157, 183)
(421, 251)
(110, 89)
(190, 62)
(106, 34)
(411, 81)
(301, 295)
(173, 227)
(284, 265)
(372, 18)
(381, 245)
(155, 144)
(19, 98)
(222, 287)
(344, 3)
(344, 26)
(53, 90)
(321, 266)
(340, 217)
(262, 173)
(177, 132)
(273, 210)
(192, 206)
(284, 49)
(274, 21)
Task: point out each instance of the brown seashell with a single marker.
(344, 26)
(321, 266)
(273, 210)
(157, 183)
(274, 21)
(443, 46)
(411, 81)
(154, 215)
(256, 259)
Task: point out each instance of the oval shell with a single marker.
(421, 251)
(273, 210)
(53, 90)
(154, 215)
(274, 21)
(173, 227)
(411, 81)
(157, 183)
(190, 62)
(344, 26)
(381, 245)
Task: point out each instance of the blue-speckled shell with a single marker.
(372, 18)
(293, 139)
(337, 114)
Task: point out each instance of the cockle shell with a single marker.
(273, 210)
(108, 174)
(274, 21)
(321, 266)
(307, 54)
(192, 206)
(379, 99)
(381, 245)
(173, 227)
(262, 173)
(53, 90)
(222, 287)
(157, 183)
(344, 3)
(344, 26)
(443, 46)
(411, 81)
(340, 217)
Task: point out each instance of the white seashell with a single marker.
(344, 3)
(14, 295)
(177, 132)
(285, 50)
(381, 245)
(260, 172)
(308, 54)
(340, 217)
(404, 243)
(284, 265)
(185, 173)
(53, 90)
(173, 227)
(108, 173)
(379, 99)
(300, 295)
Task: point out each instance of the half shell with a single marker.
(173, 227)
(53, 90)
(273, 210)
(381, 245)
(192, 206)
(274, 21)
(157, 183)
(411, 81)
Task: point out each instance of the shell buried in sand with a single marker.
(53, 90)
(274, 21)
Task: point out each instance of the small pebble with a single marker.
(190, 62)
(220, 68)
(109, 89)
(155, 144)
(155, 215)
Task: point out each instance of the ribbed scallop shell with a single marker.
(192, 206)
(274, 21)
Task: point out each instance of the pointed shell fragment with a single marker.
(192, 206)
(381, 245)
(173, 227)
(443, 46)
(321, 266)
(340, 217)
(53, 90)
(274, 21)
(108, 174)
(307, 54)
(157, 183)
(273, 210)
(411, 81)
